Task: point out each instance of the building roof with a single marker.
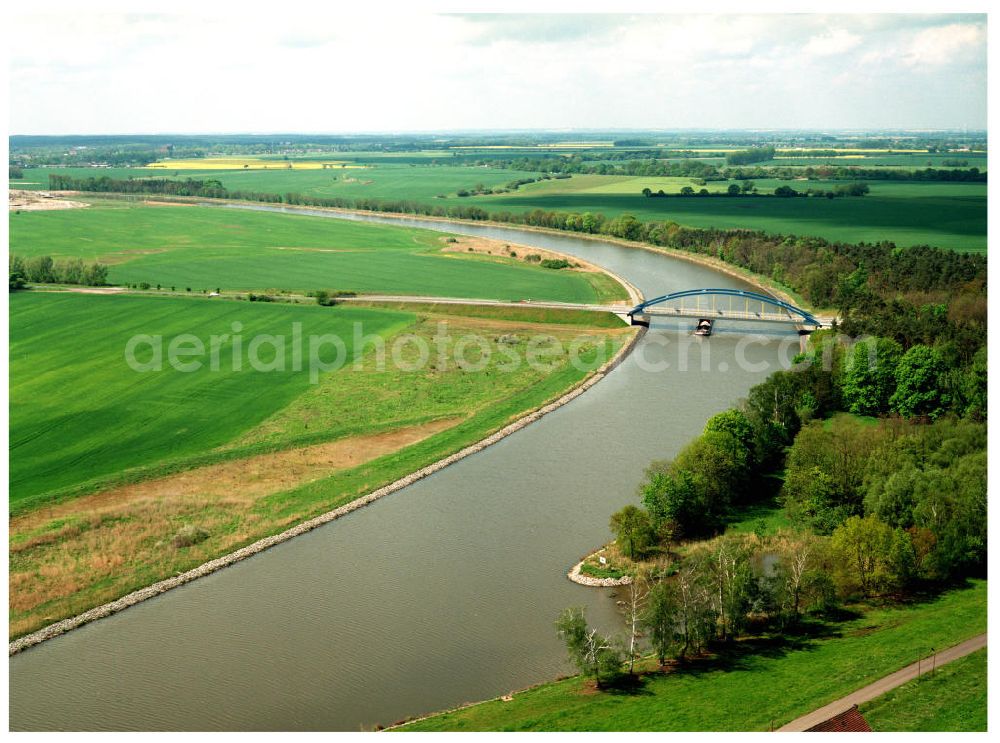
(848, 721)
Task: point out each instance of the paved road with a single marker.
(888, 683)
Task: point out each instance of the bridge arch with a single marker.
(786, 312)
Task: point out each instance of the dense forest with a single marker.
(875, 441)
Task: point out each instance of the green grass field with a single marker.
(205, 248)
(953, 699)
(950, 215)
(385, 180)
(760, 684)
(78, 412)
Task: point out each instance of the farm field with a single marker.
(756, 685)
(79, 413)
(247, 163)
(382, 181)
(240, 250)
(121, 478)
(950, 215)
(953, 699)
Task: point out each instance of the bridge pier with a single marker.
(639, 319)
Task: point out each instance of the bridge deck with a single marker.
(723, 315)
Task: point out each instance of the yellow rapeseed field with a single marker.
(248, 163)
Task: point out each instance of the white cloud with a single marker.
(89, 73)
(837, 41)
(951, 44)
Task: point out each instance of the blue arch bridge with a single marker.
(723, 304)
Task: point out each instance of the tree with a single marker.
(810, 496)
(626, 226)
(737, 426)
(695, 619)
(727, 562)
(869, 378)
(719, 470)
(660, 619)
(795, 575)
(974, 387)
(636, 596)
(39, 270)
(733, 190)
(824, 480)
(588, 650)
(871, 554)
(631, 527)
(16, 273)
(95, 274)
(674, 500)
(919, 383)
(951, 503)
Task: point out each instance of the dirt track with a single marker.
(39, 201)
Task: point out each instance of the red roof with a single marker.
(848, 721)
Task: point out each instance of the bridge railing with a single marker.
(731, 298)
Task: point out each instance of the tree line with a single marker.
(680, 166)
(43, 270)
(748, 188)
(750, 156)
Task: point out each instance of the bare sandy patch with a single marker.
(94, 289)
(169, 203)
(489, 246)
(86, 551)
(39, 201)
(242, 481)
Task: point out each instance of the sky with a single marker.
(114, 73)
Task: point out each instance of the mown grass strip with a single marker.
(953, 699)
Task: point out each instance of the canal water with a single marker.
(442, 593)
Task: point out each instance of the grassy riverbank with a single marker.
(122, 478)
(758, 683)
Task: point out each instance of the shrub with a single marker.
(189, 535)
(555, 263)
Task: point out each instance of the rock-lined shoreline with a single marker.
(588, 580)
(113, 607)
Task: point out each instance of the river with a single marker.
(442, 593)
